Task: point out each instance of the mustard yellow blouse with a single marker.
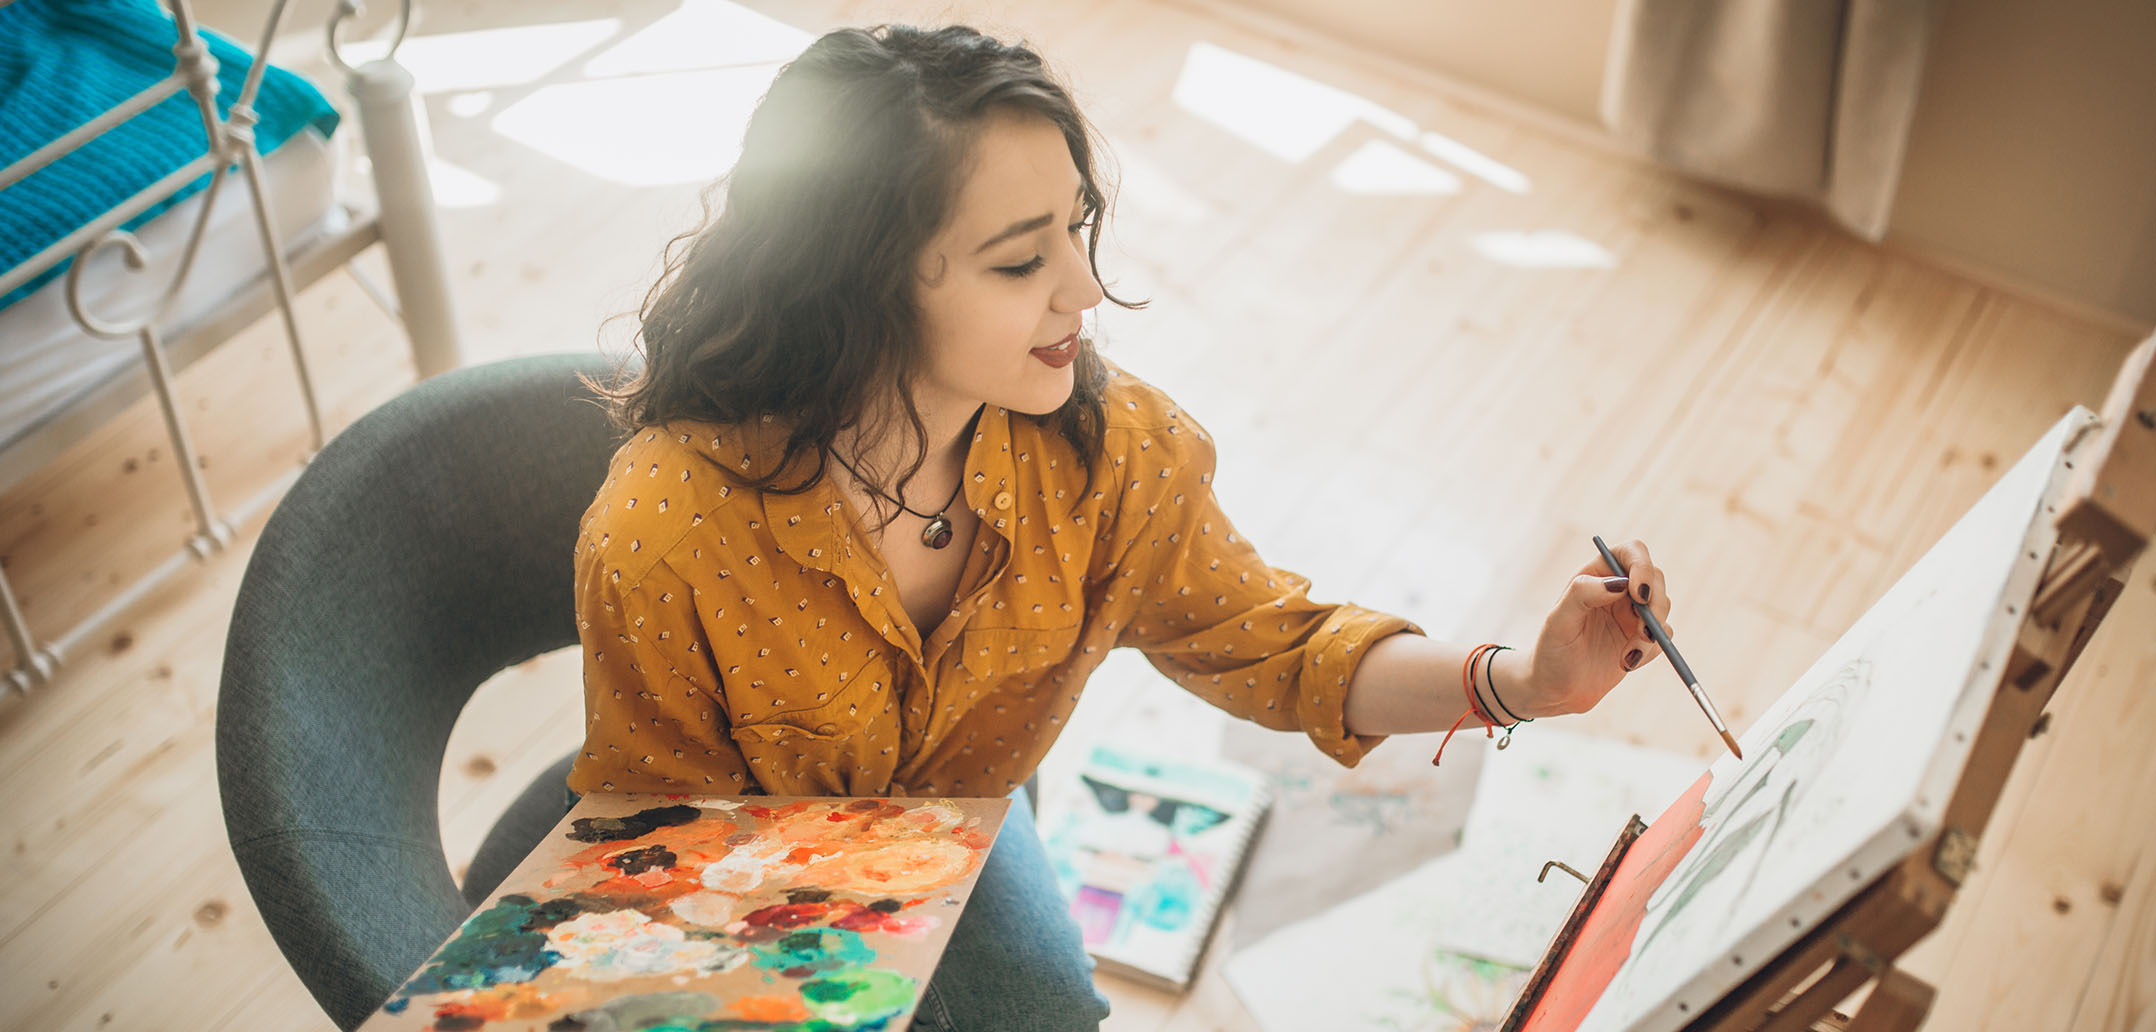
(738, 642)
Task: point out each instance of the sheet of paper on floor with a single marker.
(1384, 817)
(1447, 944)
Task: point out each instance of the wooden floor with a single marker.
(1441, 341)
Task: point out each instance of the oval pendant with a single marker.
(938, 532)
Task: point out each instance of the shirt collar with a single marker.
(812, 528)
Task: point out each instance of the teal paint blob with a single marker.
(1170, 900)
(814, 950)
(503, 944)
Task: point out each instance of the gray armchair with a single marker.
(425, 548)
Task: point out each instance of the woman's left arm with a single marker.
(1589, 641)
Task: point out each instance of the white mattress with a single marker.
(48, 361)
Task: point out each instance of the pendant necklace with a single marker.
(938, 532)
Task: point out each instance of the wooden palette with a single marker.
(702, 912)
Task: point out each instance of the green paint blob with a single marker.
(859, 996)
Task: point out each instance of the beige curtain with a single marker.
(1799, 98)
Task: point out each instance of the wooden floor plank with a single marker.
(2046, 923)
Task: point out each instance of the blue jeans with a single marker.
(1015, 961)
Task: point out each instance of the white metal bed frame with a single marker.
(403, 222)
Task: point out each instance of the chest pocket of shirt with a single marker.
(821, 746)
(822, 703)
(996, 654)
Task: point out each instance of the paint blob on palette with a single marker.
(705, 913)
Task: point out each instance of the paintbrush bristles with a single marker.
(1732, 743)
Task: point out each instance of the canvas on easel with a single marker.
(1841, 837)
(648, 911)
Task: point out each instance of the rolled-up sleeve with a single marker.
(653, 722)
(1211, 614)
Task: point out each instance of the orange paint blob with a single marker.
(693, 845)
(918, 865)
(770, 1008)
(504, 1002)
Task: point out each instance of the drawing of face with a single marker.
(1180, 816)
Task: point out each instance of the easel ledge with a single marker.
(2106, 516)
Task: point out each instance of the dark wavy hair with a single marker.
(797, 298)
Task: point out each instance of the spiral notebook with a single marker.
(1147, 851)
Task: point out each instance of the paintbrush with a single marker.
(1669, 648)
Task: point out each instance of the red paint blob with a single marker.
(791, 915)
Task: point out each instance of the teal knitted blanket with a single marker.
(63, 62)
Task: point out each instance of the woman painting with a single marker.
(884, 507)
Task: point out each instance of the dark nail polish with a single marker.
(1631, 659)
(1615, 584)
(1646, 592)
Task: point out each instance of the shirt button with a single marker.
(827, 729)
(1003, 500)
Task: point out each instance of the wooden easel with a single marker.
(2104, 518)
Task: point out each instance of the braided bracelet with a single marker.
(1485, 656)
(1474, 702)
(1489, 677)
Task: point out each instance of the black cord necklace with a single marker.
(938, 532)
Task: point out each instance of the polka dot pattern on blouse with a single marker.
(740, 642)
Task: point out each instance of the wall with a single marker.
(2033, 155)
(2032, 160)
(1547, 52)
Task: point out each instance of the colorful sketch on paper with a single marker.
(1138, 861)
(685, 913)
(1145, 850)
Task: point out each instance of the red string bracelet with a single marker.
(1474, 702)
